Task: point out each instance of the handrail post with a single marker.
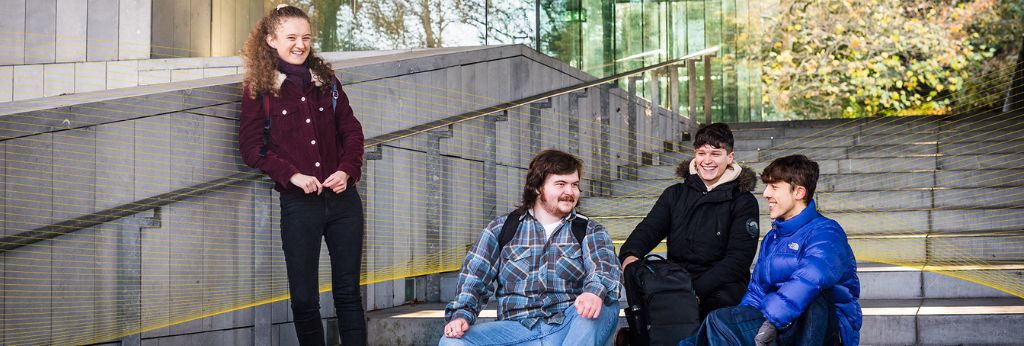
(436, 169)
(129, 274)
(263, 257)
(691, 86)
(707, 89)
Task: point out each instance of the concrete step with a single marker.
(877, 165)
(893, 223)
(981, 161)
(862, 181)
(886, 322)
(845, 201)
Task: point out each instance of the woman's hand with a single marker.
(307, 183)
(337, 182)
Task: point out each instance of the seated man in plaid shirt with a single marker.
(556, 278)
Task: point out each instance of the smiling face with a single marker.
(784, 200)
(292, 40)
(559, 194)
(711, 163)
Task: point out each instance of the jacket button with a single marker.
(312, 142)
(316, 164)
(321, 109)
(303, 99)
(307, 121)
(284, 112)
(718, 233)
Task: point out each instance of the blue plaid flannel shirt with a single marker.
(537, 278)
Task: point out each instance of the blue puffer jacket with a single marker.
(801, 258)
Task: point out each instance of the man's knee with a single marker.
(446, 341)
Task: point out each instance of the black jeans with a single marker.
(337, 218)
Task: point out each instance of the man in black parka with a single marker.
(710, 221)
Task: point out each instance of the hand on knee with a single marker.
(589, 305)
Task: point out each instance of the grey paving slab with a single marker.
(72, 32)
(991, 161)
(14, 23)
(115, 153)
(974, 249)
(72, 266)
(29, 183)
(980, 178)
(40, 31)
(190, 238)
(28, 294)
(984, 329)
(890, 284)
(102, 29)
(122, 74)
(1001, 219)
(872, 200)
(900, 250)
(990, 198)
(6, 83)
(903, 164)
(152, 157)
(830, 140)
(986, 147)
(27, 82)
(74, 161)
(875, 181)
(888, 330)
(991, 134)
(897, 138)
(58, 79)
(882, 221)
(90, 76)
(941, 285)
(134, 29)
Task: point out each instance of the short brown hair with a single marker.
(546, 163)
(718, 135)
(797, 170)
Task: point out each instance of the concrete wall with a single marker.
(179, 273)
(54, 31)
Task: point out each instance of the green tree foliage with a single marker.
(850, 58)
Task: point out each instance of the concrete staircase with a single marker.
(939, 198)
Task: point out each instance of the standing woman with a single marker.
(298, 128)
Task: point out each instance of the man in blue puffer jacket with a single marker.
(804, 288)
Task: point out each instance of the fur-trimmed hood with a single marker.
(746, 181)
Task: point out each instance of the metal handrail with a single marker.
(54, 230)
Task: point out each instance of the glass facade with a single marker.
(601, 37)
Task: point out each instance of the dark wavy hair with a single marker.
(546, 163)
(797, 170)
(717, 134)
(260, 59)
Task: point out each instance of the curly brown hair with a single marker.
(260, 59)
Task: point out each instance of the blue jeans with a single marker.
(306, 221)
(574, 330)
(738, 325)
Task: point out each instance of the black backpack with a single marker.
(511, 227)
(662, 305)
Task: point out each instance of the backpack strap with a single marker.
(265, 102)
(334, 95)
(579, 228)
(511, 227)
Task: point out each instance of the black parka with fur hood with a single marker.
(711, 233)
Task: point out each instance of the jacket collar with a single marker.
(731, 173)
(787, 227)
(281, 78)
